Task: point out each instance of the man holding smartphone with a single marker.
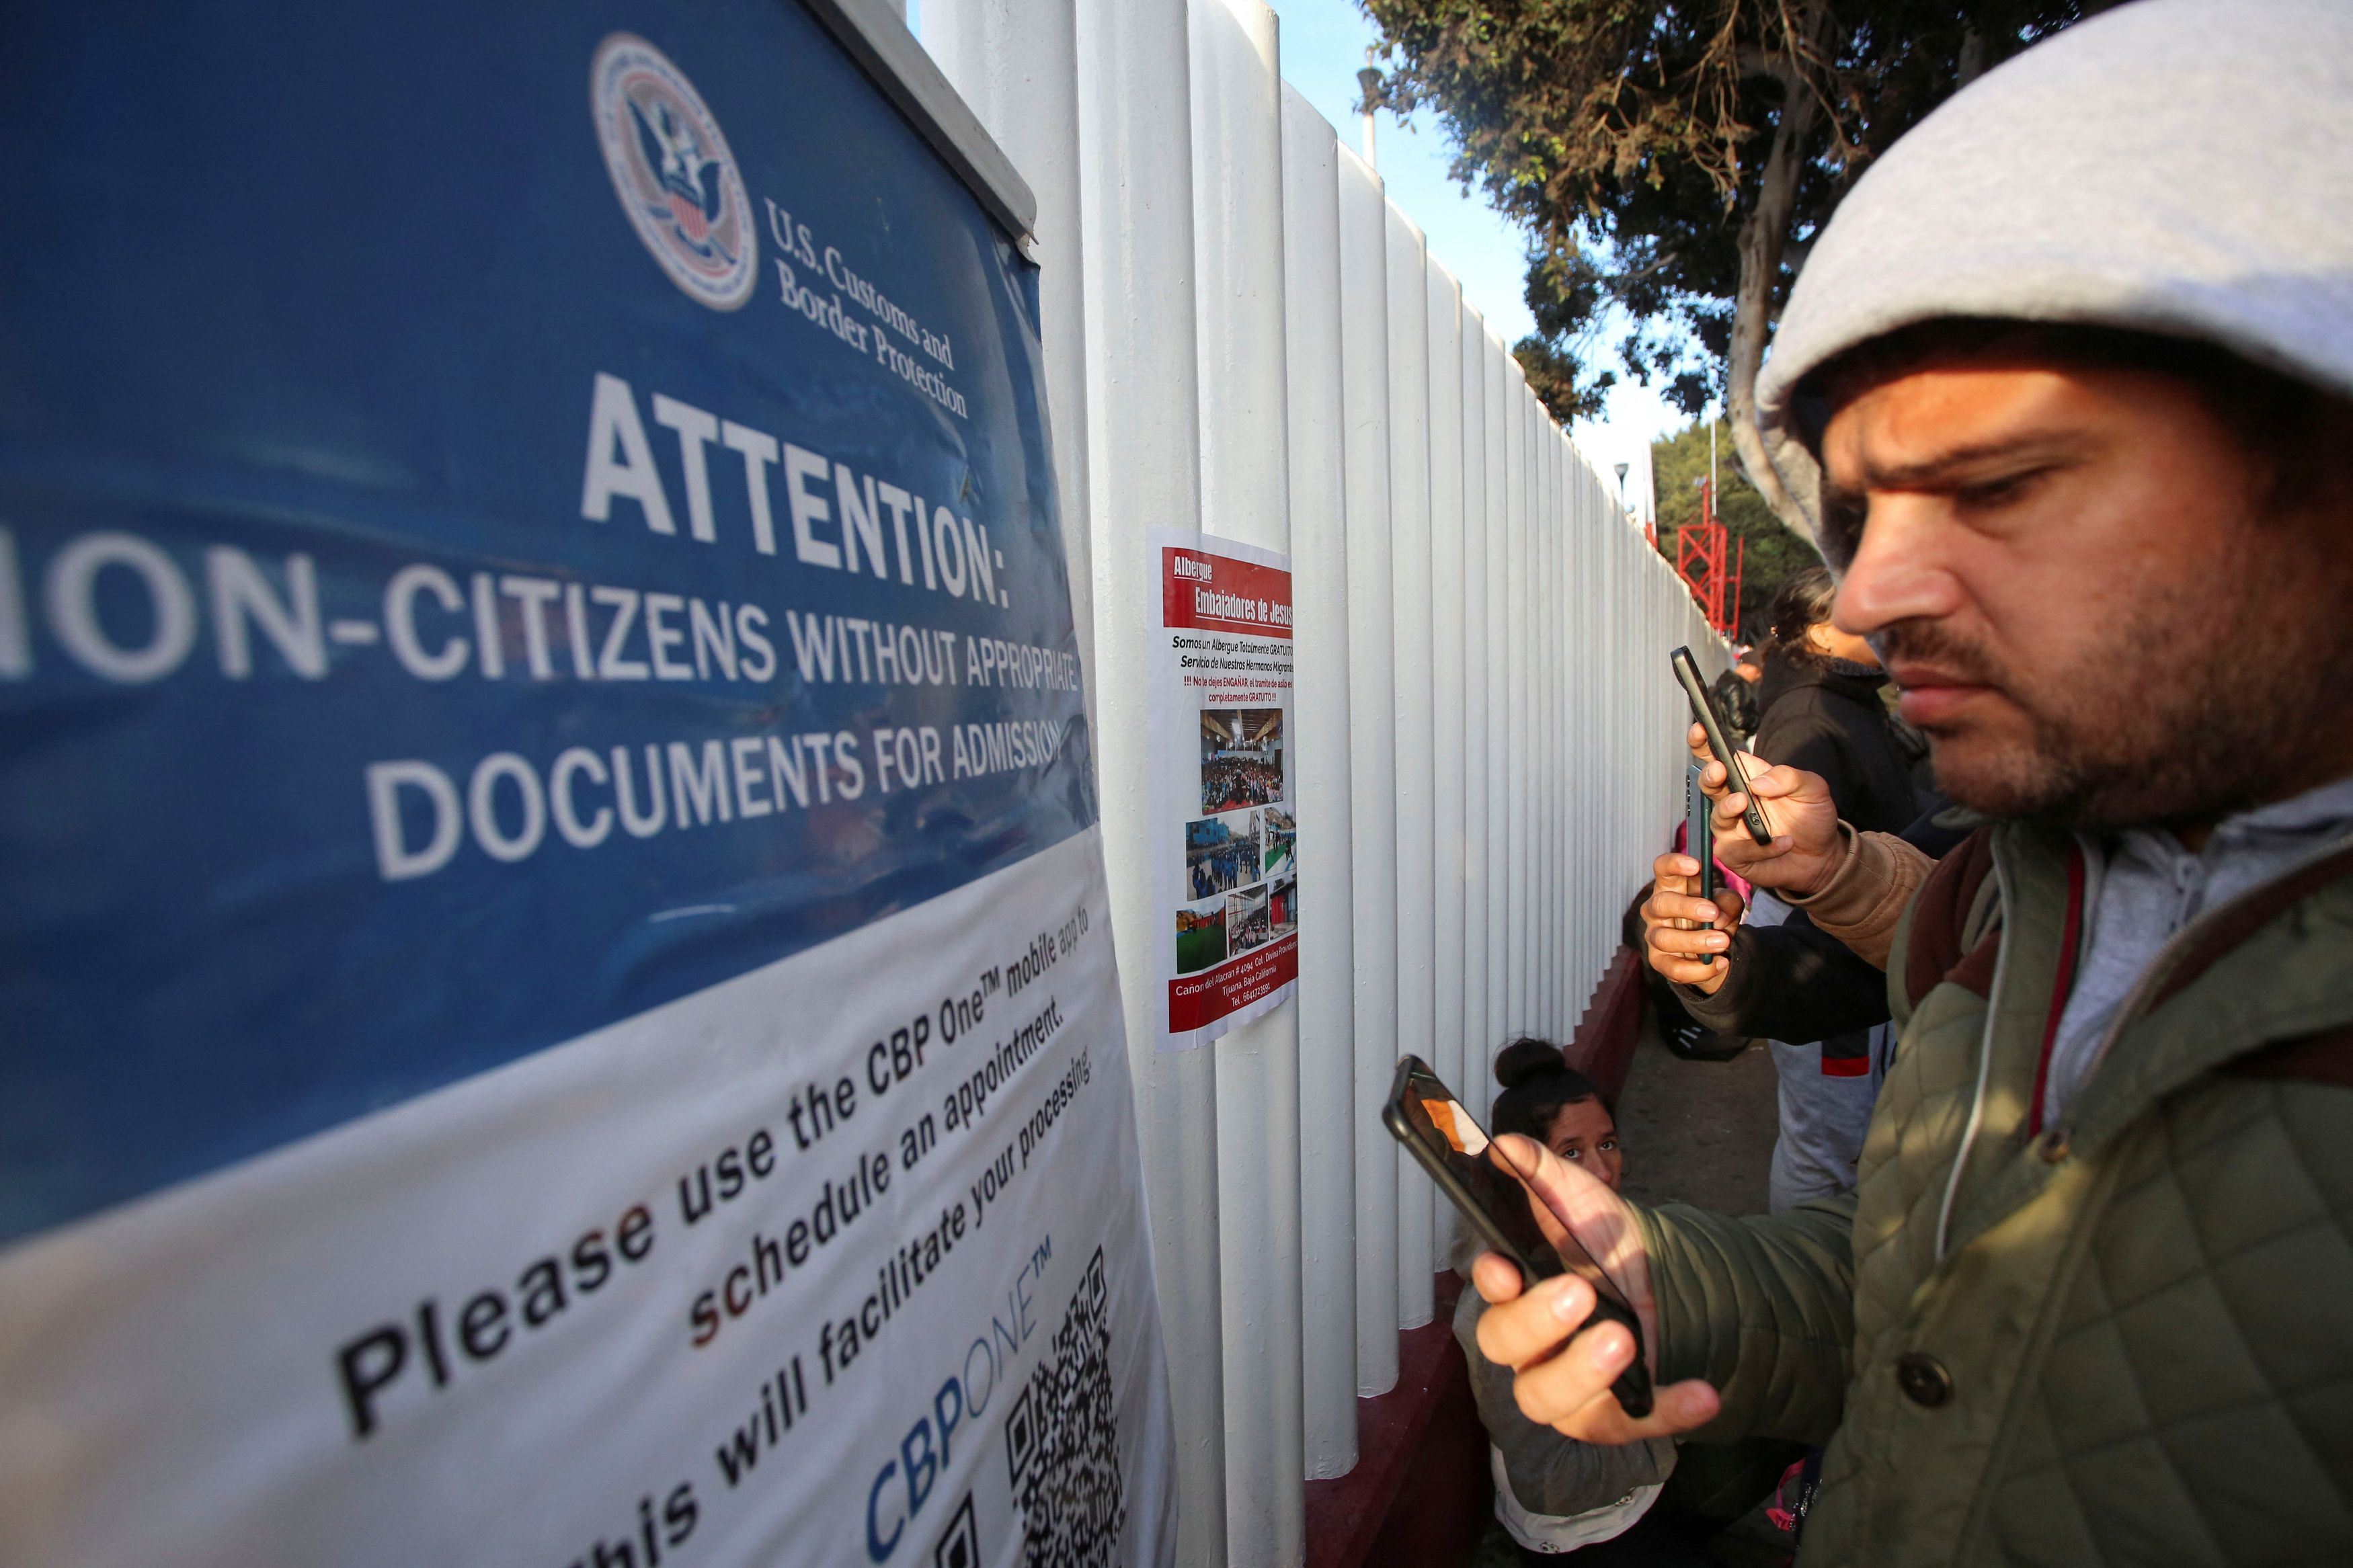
(2072, 367)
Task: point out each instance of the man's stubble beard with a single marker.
(2212, 698)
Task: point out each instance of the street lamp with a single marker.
(1648, 531)
(1370, 79)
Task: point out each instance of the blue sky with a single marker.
(1323, 44)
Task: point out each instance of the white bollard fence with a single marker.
(1245, 339)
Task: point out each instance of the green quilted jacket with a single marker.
(2124, 1339)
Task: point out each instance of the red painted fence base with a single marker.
(1419, 1493)
(1604, 1047)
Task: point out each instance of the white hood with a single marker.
(2180, 166)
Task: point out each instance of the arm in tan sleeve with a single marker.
(1868, 894)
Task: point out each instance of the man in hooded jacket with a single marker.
(2069, 375)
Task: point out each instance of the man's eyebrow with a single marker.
(1933, 473)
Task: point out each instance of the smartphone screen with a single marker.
(1449, 1135)
(1475, 1174)
(1484, 1177)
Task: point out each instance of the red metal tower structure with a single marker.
(1705, 559)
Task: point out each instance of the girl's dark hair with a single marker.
(1803, 603)
(1537, 1081)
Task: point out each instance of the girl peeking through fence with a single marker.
(1554, 1495)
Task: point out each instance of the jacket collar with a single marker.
(2268, 965)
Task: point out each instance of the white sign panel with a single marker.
(556, 1001)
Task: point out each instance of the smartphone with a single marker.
(1719, 741)
(1472, 1169)
(1699, 843)
(1699, 837)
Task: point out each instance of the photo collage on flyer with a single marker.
(1242, 870)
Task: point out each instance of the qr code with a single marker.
(1062, 1442)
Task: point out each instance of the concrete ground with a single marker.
(1697, 1132)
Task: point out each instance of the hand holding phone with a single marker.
(1493, 1196)
(1699, 841)
(1719, 741)
(1687, 939)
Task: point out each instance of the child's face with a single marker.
(1585, 1134)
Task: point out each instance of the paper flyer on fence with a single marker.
(1226, 869)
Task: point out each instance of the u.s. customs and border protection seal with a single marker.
(674, 172)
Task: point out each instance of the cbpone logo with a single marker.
(672, 171)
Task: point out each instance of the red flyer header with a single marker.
(1217, 593)
(1195, 1000)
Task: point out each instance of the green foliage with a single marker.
(1678, 464)
(1553, 375)
(1565, 295)
(1633, 139)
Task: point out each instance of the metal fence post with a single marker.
(1136, 185)
(1372, 739)
(1245, 494)
(1417, 776)
(1321, 754)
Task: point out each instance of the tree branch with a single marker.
(1764, 237)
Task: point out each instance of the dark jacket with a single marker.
(1795, 982)
(1828, 719)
